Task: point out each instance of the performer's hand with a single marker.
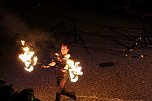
(52, 64)
(43, 66)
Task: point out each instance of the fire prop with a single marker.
(28, 57)
(75, 70)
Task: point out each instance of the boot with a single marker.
(58, 96)
(73, 96)
(70, 94)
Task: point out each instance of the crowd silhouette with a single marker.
(7, 93)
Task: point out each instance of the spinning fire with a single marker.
(28, 57)
(30, 60)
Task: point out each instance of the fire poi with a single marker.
(75, 68)
(28, 57)
(30, 60)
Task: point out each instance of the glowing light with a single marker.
(28, 57)
(75, 70)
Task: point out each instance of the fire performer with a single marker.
(60, 62)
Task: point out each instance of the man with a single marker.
(60, 62)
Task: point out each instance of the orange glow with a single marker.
(75, 70)
(28, 57)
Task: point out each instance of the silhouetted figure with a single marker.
(7, 93)
(63, 74)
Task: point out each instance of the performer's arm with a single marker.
(52, 64)
(66, 67)
(49, 65)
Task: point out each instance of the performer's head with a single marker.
(64, 48)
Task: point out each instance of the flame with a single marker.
(28, 57)
(75, 70)
(22, 42)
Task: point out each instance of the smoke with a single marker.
(13, 26)
(16, 29)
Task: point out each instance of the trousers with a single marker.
(61, 82)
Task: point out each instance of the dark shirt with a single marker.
(60, 61)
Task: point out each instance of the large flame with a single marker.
(75, 70)
(28, 57)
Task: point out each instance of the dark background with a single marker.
(94, 4)
(106, 26)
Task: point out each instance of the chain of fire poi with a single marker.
(30, 60)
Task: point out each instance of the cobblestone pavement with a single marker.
(127, 79)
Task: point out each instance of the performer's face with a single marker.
(64, 50)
